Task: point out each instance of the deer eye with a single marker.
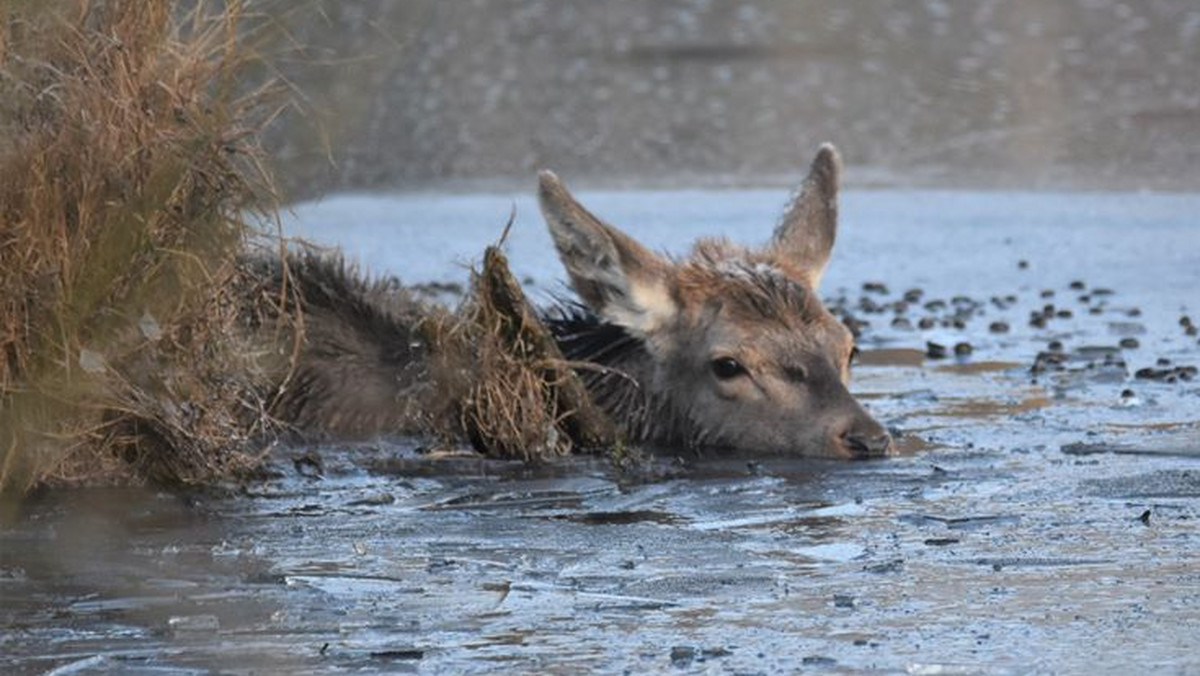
(726, 368)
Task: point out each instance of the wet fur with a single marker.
(363, 366)
(617, 380)
(648, 334)
(362, 363)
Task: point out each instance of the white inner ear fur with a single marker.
(646, 307)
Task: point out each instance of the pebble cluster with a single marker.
(912, 311)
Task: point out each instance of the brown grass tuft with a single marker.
(128, 163)
(500, 378)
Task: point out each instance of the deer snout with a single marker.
(867, 439)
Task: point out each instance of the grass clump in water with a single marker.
(128, 163)
(502, 381)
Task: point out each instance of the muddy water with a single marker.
(1036, 522)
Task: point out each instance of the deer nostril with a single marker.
(868, 446)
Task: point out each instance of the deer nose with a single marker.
(867, 445)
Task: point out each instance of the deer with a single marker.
(728, 348)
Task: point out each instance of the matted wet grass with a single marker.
(503, 381)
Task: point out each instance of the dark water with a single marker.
(1034, 523)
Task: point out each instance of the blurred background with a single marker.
(1073, 94)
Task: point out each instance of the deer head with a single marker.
(737, 346)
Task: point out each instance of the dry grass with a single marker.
(128, 161)
(500, 379)
(131, 338)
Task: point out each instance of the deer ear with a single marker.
(805, 234)
(618, 278)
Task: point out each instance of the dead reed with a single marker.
(128, 165)
(501, 380)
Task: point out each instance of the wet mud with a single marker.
(1040, 517)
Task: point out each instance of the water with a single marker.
(1034, 522)
(945, 242)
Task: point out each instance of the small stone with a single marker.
(1064, 314)
(963, 349)
(1134, 312)
(1055, 346)
(998, 327)
(1167, 375)
(1038, 322)
(1130, 343)
(1047, 293)
(1128, 394)
(1163, 361)
(682, 655)
(1185, 321)
(1078, 285)
(855, 325)
(1048, 361)
(1023, 264)
(926, 323)
(935, 350)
